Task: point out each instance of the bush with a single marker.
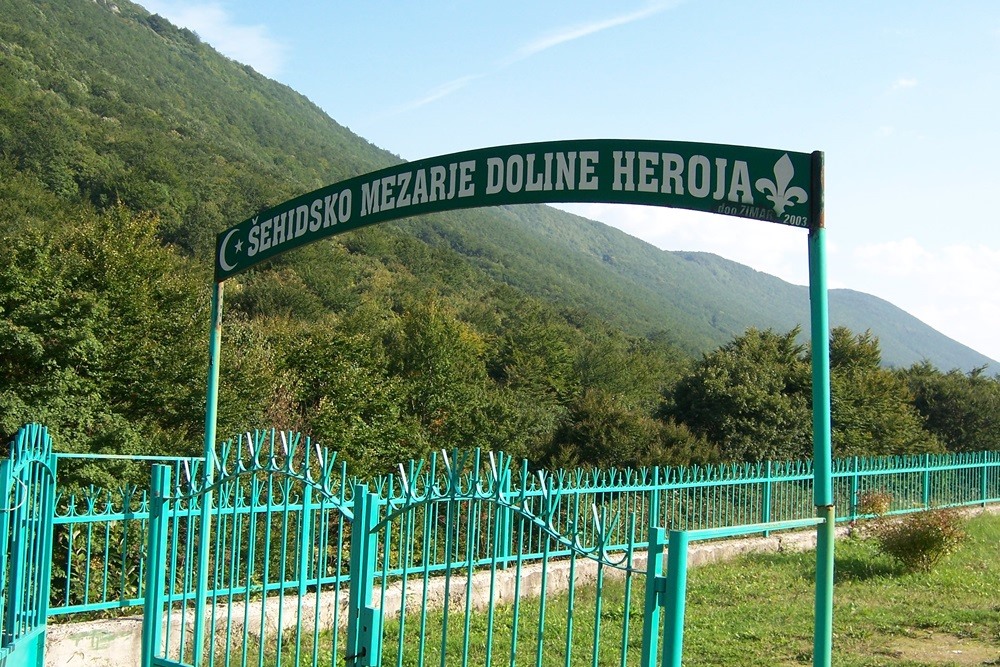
(921, 540)
(876, 503)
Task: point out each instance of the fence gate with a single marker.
(247, 557)
(27, 491)
(468, 560)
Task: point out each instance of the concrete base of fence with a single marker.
(116, 642)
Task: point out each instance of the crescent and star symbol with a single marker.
(226, 266)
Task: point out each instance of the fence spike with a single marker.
(403, 481)
(493, 467)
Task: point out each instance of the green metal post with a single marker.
(214, 352)
(651, 614)
(855, 488)
(363, 622)
(673, 627)
(156, 565)
(6, 487)
(765, 514)
(822, 445)
(925, 482)
(983, 487)
(48, 511)
(205, 516)
(654, 570)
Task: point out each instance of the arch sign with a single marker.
(783, 187)
(740, 181)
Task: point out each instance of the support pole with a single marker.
(214, 352)
(822, 445)
(673, 625)
(208, 474)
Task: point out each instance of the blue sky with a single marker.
(902, 96)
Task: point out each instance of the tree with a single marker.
(99, 337)
(961, 409)
(749, 397)
(872, 410)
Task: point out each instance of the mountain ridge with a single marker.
(260, 142)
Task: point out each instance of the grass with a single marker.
(755, 610)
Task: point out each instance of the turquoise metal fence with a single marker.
(99, 535)
(260, 547)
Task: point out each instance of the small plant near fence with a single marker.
(875, 503)
(921, 540)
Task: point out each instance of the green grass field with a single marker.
(755, 610)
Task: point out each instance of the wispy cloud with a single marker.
(903, 83)
(554, 38)
(248, 44)
(574, 32)
(444, 90)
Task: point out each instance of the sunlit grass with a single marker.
(755, 610)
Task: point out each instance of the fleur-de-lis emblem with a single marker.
(780, 194)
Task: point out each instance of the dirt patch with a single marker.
(942, 649)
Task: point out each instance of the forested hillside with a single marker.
(126, 144)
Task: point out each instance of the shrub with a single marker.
(920, 540)
(874, 502)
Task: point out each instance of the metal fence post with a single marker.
(852, 502)
(364, 623)
(983, 485)
(765, 514)
(6, 608)
(654, 579)
(676, 592)
(927, 481)
(156, 564)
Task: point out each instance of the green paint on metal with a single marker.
(822, 443)
(676, 587)
(741, 181)
(823, 633)
(156, 560)
(27, 497)
(280, 480)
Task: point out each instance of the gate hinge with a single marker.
(660, 588)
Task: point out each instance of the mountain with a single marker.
(104, 101)
(699, 300)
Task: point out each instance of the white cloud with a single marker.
(570, 33)
(775, 249)
(441, 91)
(953, 288)
(903, 83)
(248, 44)
(558, 36)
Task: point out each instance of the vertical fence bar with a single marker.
(925, 480)
(46, 525)
(765, 514)
(305, 559)
(984, 463)
(855, 488)
(156, 564)
(6, 487)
